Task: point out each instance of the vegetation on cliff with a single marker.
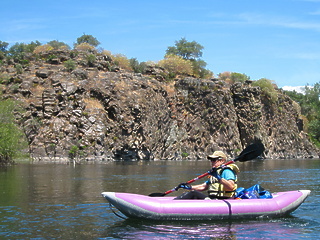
(90, 103)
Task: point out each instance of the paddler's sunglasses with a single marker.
(215, 159)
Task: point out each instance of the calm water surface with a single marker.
(52, 201)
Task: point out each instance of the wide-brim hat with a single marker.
(217, 154)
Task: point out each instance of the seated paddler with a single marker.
(221, 184)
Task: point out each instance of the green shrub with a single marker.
(136, 66)
(233, 77)
(176, 65)
(42, 48)
(91, 58)
(51, 57)
(70, 65)
(19, 68)
(84, 47)
(4, 78)
(73, 152)
(2, 56)
(122, 61)
(184, 154)
(58, 45)
(239, 77)
(267, 88)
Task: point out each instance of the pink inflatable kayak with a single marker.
(166, 208)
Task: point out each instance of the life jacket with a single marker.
(216, 189)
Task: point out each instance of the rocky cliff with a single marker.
(100, 112)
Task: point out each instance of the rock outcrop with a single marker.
(102, 113)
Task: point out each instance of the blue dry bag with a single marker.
(254, 192)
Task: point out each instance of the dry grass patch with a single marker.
(170, 88)
(37, 90)
(92, 103)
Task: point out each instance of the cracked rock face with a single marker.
(93, 114)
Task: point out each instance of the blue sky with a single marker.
(274, 39)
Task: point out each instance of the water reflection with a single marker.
(42, 221)
(64, 202)
(287, 228)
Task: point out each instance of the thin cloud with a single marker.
(298, 89)
(253, 19)
(306, 56)
(260, 19)
(315, 13)
(301, 25)
(25, 24)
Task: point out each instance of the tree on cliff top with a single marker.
(88, 39)
(190, 51)
(3, 49)
(186, 50)
(19, 51)
(58, 45)
(3, 46)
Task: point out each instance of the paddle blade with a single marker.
(252, 151)
(156, 194)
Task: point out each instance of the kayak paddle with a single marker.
(250, 152)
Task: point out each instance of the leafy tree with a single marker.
(88, 39)
(199, 69)
(23, 47)
(3, 46)
(314, 131)
(309, 102)
(239, 77)
(58, 45)
(29, 48)
(191, 51)
(11, 137)
(3, 49)
(19, 50)
(296, 96)
(136, 66)
(186, 50)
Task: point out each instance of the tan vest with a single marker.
(216, 189)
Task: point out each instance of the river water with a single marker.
(56, 201)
